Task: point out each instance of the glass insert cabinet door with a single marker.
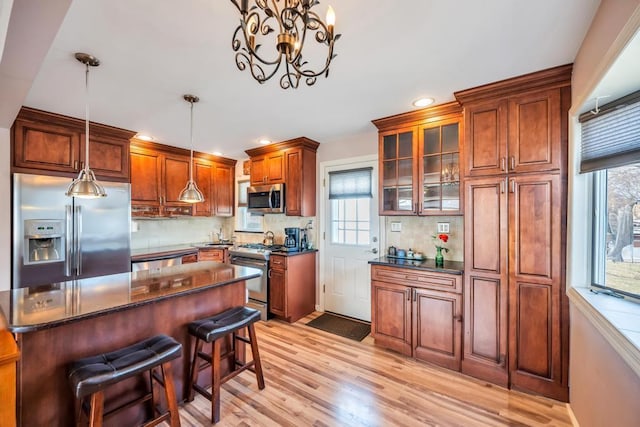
(398, 171)
(440, 168)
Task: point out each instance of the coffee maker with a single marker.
(292, 239)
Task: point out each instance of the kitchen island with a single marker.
(58, 323)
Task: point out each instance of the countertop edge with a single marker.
(56, 323)
(451, 267)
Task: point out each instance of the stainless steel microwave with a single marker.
(266, 198)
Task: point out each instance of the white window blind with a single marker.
(611, 138)
(350, 184)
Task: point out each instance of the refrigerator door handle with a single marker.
(68, 240)
(77, 240)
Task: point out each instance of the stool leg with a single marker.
(194, 370)
(97, 409)
(256, 356)
(79, 412)
(170, 394)
(215, 382)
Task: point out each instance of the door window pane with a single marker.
(450, 138)
(351, 221)
(432, 140)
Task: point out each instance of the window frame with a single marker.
(598, 241)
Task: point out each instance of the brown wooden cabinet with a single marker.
(215, 180)
(292, 285)
(419, 161)
(160, 172)
(293, 163)
(418, 313)
(486, 279)
(516, 310)
(48, 143)
(213, 254)
(268, 169)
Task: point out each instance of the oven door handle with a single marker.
(243, 263)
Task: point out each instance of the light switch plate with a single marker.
(396, 226)
(443, 227)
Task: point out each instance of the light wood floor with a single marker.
(314, 378)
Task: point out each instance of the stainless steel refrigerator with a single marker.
(58, 238)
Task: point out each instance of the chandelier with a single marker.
(295, 24)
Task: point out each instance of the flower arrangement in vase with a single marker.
(439, 248)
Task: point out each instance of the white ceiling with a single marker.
(154, 51)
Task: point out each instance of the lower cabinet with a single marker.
(189, 259)
(412, 314)
(292, 285)
(213, 254)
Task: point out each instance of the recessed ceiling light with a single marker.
(423, 102)
(145, 137)
(265, 141)
(217, 153)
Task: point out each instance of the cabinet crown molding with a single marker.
(546, 79)
(28, 114)
(302, 141)
(155, 146)
(424, 115)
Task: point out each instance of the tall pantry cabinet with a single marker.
(516, 329)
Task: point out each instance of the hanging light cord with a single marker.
(191, 144)
(86, 115)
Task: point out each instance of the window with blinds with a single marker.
(350, 184)
(611, 137)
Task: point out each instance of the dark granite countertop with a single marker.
(31, 309)
(450, 267)
(150, 254)
(285, 253)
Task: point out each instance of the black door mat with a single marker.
(345, 327)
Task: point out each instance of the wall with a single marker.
(417, 234)
(603, 389)
(5, 211)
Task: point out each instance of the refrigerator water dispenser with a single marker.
(44, 241)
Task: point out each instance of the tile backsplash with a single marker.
(151, 233)
(417, 234)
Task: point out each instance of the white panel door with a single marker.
(351, 240)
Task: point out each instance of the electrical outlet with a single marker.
(396, 226)
(443, 227)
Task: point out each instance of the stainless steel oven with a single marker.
(259, 287)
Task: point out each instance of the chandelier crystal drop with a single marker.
(191, 193)
(276, 33)
(86, 185)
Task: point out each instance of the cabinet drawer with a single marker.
(278, 262)
(417, 278)
(211, 255)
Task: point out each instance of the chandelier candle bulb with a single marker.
(331, 21)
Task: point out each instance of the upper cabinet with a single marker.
(515, 127)
(293, 163)
(268, 168)
(48, 143)
(160, 172)
(419, 154)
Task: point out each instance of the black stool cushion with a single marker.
(214, 327)
(95, 373)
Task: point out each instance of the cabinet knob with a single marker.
(458, 317)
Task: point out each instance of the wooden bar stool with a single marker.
(91, 375)
(213, 330)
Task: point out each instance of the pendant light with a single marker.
(190, 193)
(85, 185)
